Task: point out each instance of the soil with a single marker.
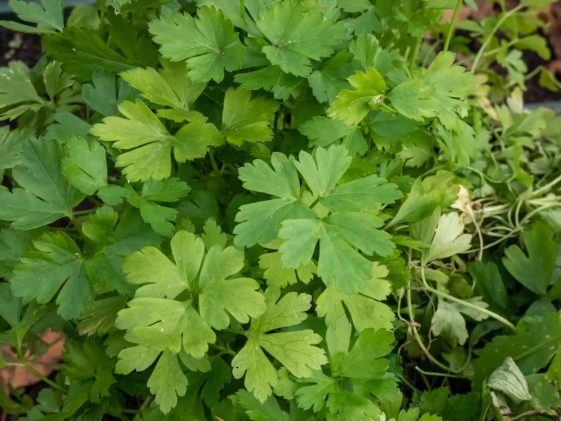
(14, 46)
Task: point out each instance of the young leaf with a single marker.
(195, 139)
(439, 190)
(294, 349)
(176, 325)
(244, 119)
(437, 92)
(352, 105)
(278, 276)
(212, 45)
(143, 132)
(170, 87)
(448, 320)
(448, 239)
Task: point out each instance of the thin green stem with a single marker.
(546, 187)
(538, 210)
(416, 335)
(213, 162)
(435, 374)
(33, 371)
(465, 303)
(489, 38)
(452, 25)
(415, 53)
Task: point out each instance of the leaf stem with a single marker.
(489, 38)
(213, 162)
(465, 303)
(417, 336)
(452, 25)
(546, 187)
(34, 371)
(435, 374)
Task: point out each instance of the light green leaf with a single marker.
(353, 105)
(439, 190)
(195, 139)
(281, 180)
(323, 170)
(448, 239)
(138, 357)
(295, 349)
(187, 324)
(222, 295)
(437, 92)
(278, 276)
(170, 87)
(246, 119)
(167, 382)
(142, 132)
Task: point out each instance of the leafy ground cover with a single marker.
(281, 210)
